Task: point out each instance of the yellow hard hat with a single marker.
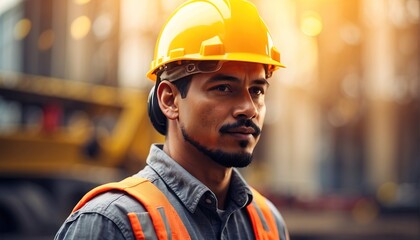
(224, 30)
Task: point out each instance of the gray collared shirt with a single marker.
(105, 216)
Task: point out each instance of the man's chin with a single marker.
(226, 159)
(237, 150)
(239, 157)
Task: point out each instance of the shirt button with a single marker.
(208, 201)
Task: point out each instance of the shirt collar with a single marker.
(189, 189)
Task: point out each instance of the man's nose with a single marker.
(246, 107)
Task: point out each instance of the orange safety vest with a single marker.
(152, 198)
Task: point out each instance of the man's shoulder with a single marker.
(108, 211)
(105, 207)
(112, 205)
(113, 201)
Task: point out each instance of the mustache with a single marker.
(241, 123)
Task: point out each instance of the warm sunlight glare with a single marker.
(311, 24)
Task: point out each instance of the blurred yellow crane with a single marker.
(58, 139)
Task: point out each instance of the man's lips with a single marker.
(242, 130)
(242, 133)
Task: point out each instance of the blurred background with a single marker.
(339, 154)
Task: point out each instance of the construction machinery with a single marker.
(60, 138)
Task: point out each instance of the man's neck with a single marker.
(213, 175)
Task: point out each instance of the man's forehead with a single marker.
(242, 66)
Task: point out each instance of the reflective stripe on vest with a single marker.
(262, 219)
(165, 219)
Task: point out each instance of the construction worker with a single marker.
(211, 65)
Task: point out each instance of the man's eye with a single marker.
(222, 88)
(256, 91)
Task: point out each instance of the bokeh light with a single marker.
(80, 27)
(81, 2)
(311, 23)
(46, 40)
(22, 28)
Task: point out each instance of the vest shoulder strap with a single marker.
(152, 199)
(262, 218)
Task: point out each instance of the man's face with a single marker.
(223, 112)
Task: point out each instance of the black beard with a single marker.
(238, 160)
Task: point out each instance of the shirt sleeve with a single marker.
(89, 226)
(281, 225)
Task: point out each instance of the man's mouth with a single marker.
(242, 128)
(242, 134)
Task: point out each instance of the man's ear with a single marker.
(166, 94)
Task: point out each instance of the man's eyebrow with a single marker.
(261, 81)
(223, 77)
(229, 78)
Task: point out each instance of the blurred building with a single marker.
(63, 39)
(346, 118)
